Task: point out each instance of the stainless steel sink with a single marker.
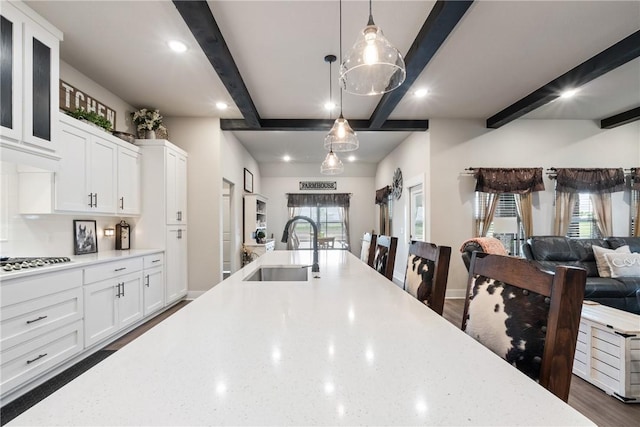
(279, 273)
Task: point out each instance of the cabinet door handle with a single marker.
(147, 284)
(35, 320)
(179, 234)
(120, 269)
(95, 204)
(122, 288)
(122, 202)
(90, 200)
(118, 288)
(37, 358)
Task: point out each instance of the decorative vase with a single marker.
(150, 134)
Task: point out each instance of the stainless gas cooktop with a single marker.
(13, 264)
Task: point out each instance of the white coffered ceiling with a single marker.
(499, 52)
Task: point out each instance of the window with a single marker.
(330, 225)
(506, 225)
(583, 222)
(417, 213)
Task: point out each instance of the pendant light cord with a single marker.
(340, 49)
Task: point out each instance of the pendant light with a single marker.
(341, 136)
(372, 66)
(332, 165)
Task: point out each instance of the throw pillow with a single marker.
(601, 262)
(624, 265)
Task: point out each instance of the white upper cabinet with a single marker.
(176, 187)
(128, 182)
(86, 181)
(31, 71)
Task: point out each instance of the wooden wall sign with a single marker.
(318, 185)
(71, 99)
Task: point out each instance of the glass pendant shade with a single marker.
(372, 66)
(341, 137)
(332, 165)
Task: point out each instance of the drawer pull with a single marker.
(156, 260)
(120, 269)
(35, 320)
(37, 358)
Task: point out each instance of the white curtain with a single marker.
(564, 210)
(487, 211)
(602, 212)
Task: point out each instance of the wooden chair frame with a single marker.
(566, 291)
(441, 256)
(391, 243)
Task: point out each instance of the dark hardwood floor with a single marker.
(587, 399)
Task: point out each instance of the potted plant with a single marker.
(260, 236)
(148, 121)
(91, 117)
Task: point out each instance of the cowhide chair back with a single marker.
(384, 255)
(427, 272)
(368, 246)
(527, 316)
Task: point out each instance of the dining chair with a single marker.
(427, 273)
(368, 244)
(383, 256)
(527, 316)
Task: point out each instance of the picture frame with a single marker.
(85, 237)
(248, 181)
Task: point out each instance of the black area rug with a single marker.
(26, 401)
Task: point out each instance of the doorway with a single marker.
(228, 225)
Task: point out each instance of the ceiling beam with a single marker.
(620, 53)
(620, 119)
(322, 125)
(203, 25)
(441, 21)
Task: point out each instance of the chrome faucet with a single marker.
(285, 237)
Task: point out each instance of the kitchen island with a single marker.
(348, 348)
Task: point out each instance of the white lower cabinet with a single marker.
(113, 303)
(41, 325)
(153, 283)
(176, 268)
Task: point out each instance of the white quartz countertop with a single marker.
(349, 348)
(78, 261)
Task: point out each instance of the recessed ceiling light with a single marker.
(420, 93)
(329, 106)
(352, 158)
(177, 46)
(222, 105)
(286, 158)
(568, 93)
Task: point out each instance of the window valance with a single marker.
(635, 179)
(574, 180)
(296, 200)
(509, 180)
(382, 195)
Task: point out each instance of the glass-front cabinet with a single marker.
(30, 72)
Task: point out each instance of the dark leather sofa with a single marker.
(550, 251)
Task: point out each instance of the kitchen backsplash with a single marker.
(43, 235)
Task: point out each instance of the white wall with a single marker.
(236, 159)
(89, 87)
(412, 157)
(457, 144)
(361, 211)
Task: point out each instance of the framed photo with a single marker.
(248, 181)
(85, 239)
